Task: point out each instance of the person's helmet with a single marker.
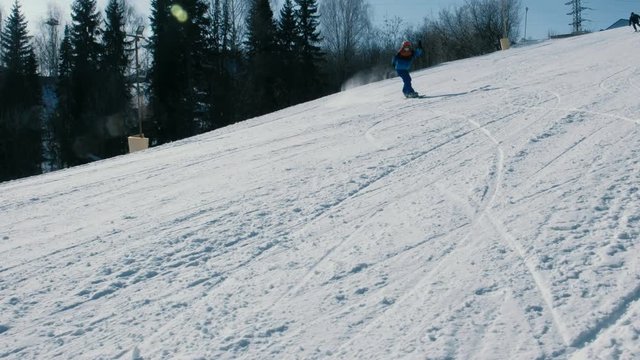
(406, 50)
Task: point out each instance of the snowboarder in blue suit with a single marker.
(402, 62)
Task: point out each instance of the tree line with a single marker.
(71, 97)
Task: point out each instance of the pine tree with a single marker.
(311, 85)
(288, 38)
(15, 40)
(234, 66)
(63, 123)
(180, 48)
(85, 30)
(199, 65)
(222, 87)
(263, 81)
(217, 26)
(32, 79)
(261, 29)
(20, 111)
(166, 75)
(66, 54)
(84, 98)
(115, 104)
(115, 57)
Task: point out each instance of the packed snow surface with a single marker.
(498, 218)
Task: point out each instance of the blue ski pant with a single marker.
(406, 79)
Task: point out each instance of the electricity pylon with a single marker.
(576, 6)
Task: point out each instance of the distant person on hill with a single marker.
(402, 62)
(635, 20)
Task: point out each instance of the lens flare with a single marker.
(179, 13)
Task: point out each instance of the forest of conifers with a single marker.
(72, 92)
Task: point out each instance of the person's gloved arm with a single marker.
(419, 49)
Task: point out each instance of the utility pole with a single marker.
(53, 52)
(504, 41)
(137, 36)
(139, 142)
(504, 19)
(526, 13)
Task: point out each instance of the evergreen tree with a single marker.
(32, 79)
(20, 111)
(311, 85)
(199, 65)
(234, 65)
(180, 49)
(115, 56)
(288, 38)
(62, 119)
(166, 75)
(85, 30)
(115, 104)
(82, 118)
(222, 87)
(263, 80)
(217, 26)
(66, 54)
(15, 40)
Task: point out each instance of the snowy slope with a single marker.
(497, 219)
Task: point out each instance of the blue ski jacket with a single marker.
(402, 63)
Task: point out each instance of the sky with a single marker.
(497, 218)
(543, 18)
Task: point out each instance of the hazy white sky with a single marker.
(544, 16)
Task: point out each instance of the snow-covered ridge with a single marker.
(499, 218)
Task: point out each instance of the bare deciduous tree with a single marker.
(391, 34)
(236, 13)
(345, 26)
(476, 27)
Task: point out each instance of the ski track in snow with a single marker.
(589, 335)
(395, 169)
(480, 213)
